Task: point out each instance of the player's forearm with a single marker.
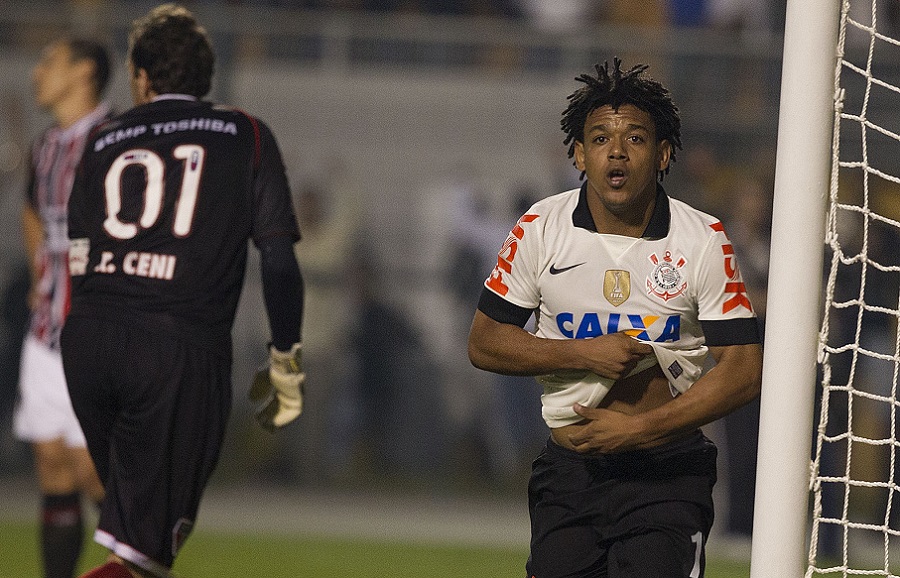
(510, 350)
(32, 237)
(283, 292)
(731, 384)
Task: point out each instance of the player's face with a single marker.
(54, 75)
(621, 159)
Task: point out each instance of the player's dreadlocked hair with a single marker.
(615, 88)
(174, 50)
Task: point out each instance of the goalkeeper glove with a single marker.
(279, 386)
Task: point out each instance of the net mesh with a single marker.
(856, 508)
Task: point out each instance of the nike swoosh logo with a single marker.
(555, 271)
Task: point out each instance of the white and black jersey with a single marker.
(678, 284)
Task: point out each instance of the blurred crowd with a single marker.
(555, 16)
(561, 15)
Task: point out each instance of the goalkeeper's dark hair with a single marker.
(616, 88)
(174, 50)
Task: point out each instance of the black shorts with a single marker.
(628, 515)
(153, 408)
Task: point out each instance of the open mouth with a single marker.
(616, 178)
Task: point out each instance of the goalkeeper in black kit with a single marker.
(165, 200)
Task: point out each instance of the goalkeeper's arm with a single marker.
(282, 290)
(280, 383)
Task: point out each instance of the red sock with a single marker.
(109, 570)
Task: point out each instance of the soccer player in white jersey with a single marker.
(631, 289)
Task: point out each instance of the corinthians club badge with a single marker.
(666, 280)
(617, 286)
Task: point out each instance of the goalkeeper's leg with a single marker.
(177, 418)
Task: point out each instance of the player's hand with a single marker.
(614, 355)
(605, 431)
(278, 386)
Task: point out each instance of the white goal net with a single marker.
(854, 476)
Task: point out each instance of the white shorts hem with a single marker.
(126, 552)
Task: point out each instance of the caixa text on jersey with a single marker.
(643, 327)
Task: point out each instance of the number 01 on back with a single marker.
(148, 210)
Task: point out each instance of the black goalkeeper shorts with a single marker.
(154, 408)
(629, 515)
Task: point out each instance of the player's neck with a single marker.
(626, 224)
(73, 109)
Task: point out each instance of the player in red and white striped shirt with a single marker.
(69, 82)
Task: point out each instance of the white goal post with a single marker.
(837, 193)
(803, 165)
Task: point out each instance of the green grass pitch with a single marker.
(215, 555)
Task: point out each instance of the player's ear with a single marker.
(578, 153)
(141, 92)
(664, 153)
(85, 69)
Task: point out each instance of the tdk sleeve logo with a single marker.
(734, 286)
(645, 328)
(507, 255)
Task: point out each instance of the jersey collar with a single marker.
(657, 228)
(174, 96)
(85, 123)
